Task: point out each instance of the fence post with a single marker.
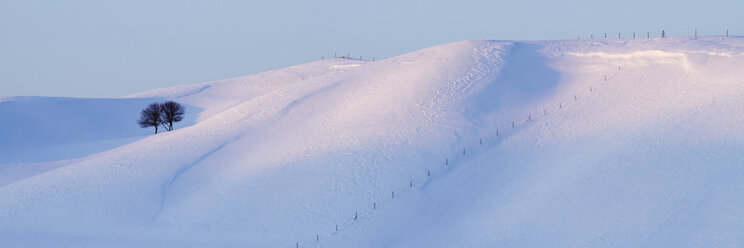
(592, 35)
(374, 205)
(497, 132)
(618, 35)
(446, 161)
(560, 105)
(356, 215)
(411, 184)
(605, 35)
(726, 32)
(545, 111)
(575, 99)
(512, 124)
(590, 88)
(317, 237)
(481, 141)
(393, 194)
(463, 151)
(297, 245)
(605, 78)
(634, 35)
(648, 35)
(428, 173)
(336, 227)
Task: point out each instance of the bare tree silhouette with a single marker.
(171, 112)
(151, 117)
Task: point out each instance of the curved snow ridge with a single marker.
(344, 66)
(609, 136)
(646, 54)
(456, 162)
(173, 92)
(639, 58)
(182, 170)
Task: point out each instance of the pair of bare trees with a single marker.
(157, 114)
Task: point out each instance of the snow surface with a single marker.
(651, 156)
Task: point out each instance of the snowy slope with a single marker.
(651, 156)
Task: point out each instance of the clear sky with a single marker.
(115, 48)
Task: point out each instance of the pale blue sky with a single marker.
(114, 48)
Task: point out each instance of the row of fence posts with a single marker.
(648, 34)
(348, 56)
(591, 36)
(446, 160)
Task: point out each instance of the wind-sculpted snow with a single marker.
(592, 143)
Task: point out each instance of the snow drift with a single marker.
(598, 143)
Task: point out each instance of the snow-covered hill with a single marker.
(592, 143)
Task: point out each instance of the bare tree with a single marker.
(151, 117)
(171, 112)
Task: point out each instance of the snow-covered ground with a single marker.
(591, 143)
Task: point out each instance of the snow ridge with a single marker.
(482, 143)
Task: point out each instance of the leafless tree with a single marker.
(171, 112)
(151, 117)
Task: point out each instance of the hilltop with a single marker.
(591, 143)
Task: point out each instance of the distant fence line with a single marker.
(349, 57)
(504, 129)
(663, 33)
(448, 161)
